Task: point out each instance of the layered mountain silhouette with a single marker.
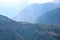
(12, 30)
(52, 17)
(30, 13)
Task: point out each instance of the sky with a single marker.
(16, 1)
(57, 1)
(11, 8)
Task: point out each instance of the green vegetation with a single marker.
(11, 30)
(39, 32)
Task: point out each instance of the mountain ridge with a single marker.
(51, 17)
(32, 12)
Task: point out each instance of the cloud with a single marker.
(25, 1)
(56, 1)
(39, 1)
(9, 1)
(11, 7)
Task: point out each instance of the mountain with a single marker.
(6, 28)
(12, 30)
(32, 12)
(52, 17)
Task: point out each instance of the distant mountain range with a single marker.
(23, 30)
(51, 17)
(32, 12)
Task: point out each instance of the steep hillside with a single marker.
(11, 30)
(52, 17)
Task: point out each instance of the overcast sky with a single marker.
(57, 1)
(12, 7)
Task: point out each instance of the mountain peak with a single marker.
(30, 13)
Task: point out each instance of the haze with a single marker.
(10, 8)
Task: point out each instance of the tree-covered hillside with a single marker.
(39, 32)
(11, 30)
